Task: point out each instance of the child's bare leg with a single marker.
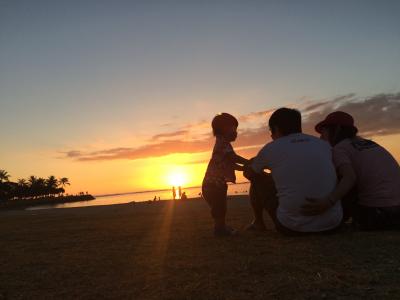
(216, 199)
(219, 211)
(219, 222)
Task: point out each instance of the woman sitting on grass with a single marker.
(369, 177)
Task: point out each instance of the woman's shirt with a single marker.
(378, 173)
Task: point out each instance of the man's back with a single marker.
(301, 167)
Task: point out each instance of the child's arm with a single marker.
(241, 160)
(237, 159)
(238, 167)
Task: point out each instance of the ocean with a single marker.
(191, 192)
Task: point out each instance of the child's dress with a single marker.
(220, 170)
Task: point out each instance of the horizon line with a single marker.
(157, 190)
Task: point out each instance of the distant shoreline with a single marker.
(160, 190)
(25, 203)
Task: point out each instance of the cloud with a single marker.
(174, 134)
(376, 115)
(145, 151)
(329, 102)
(73, 154)
(255, 116)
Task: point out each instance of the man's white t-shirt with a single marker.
(301, 166)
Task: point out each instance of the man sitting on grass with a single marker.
(301, 167)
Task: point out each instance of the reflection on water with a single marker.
(234, 189)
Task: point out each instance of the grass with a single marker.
(165, 250)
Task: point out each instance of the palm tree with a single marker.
(22, 188)
(32, 180)
(51, 184)
(22, 182)
(64, 181)
(41, 187)
(37, 186)
(4, 176)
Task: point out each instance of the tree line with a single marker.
(32, 187)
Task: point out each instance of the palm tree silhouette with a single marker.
(22, 188)
(32, 187)
(63, 181)
(4, 176)
(32, 180)
(22, 182)
(51, 184)
(35, 185)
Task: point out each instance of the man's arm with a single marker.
(316, 206)
(248, 172)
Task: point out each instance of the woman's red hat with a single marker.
(336, 118)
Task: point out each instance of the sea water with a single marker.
(193, 192)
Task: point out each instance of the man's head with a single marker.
(284, 121)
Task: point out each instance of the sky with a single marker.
(118, 95)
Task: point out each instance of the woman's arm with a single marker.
(319, 205)
(347, 181)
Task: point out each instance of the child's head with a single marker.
(225, 125)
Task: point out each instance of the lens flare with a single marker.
(177, 178)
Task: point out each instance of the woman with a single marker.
(368, 176)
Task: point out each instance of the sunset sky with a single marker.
(118, 95)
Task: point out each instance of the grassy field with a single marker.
(165, 250)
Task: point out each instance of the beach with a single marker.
(166, 250)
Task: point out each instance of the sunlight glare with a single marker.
(177, 178)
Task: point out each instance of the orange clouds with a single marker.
(376, 115)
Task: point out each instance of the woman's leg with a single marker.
(377, 218)
(349, 204)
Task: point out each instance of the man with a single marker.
(369, 177)
(301, 167)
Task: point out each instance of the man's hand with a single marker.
(316, 206)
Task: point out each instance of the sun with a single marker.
(177, 178)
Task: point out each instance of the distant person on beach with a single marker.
(221, 169)
(369, 177)
(301, 166)
(184, 196)
(173, 193)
